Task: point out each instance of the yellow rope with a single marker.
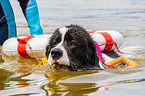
(128, 62)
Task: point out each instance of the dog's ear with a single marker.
(92, 55)
(47, 50)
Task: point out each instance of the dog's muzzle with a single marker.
(56, 54)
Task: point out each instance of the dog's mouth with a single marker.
(63, 67)
(58, 66)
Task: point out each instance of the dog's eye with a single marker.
(72, 43)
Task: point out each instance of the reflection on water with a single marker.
(55, 88)
(21, 76)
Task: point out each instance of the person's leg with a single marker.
(30, 10)
(7, 22)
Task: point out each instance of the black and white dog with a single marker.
(72, 47)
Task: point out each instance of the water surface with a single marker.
(21, 76)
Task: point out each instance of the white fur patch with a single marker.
(63, 31)
(64, 59)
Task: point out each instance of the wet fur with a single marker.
(82, 54)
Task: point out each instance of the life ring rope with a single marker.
(128, 62)
(33, 53)
(112, 43)
(109, 43)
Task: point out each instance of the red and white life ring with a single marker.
(107, 39)
(20, 46)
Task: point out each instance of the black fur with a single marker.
(80, 49)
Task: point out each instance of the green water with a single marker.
(24, 77)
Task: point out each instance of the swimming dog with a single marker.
(72, 47)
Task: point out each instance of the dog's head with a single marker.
(71, 47)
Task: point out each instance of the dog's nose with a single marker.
(56, 53)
